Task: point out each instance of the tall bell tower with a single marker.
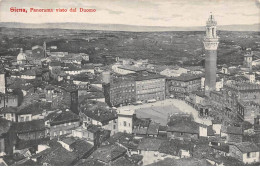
(211, 41)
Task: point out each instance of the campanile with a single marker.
(211, 41)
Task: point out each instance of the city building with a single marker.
(125, 121)
(181, 86)
(61, 123)
(246, 152)
(134, 88)
(8, 100)
(62, 96)
(231, 134)
(121, 90)
(106, 118)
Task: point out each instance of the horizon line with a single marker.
(125, 24)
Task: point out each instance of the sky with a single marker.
(137, 12)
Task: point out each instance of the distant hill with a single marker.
(121, 27)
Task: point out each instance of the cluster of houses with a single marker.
(55, 110)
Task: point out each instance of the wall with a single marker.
(150, 89)
(2, 83)
(251, 159)
(25, 117)
(235, 152)
(9, 101)
(61, 129)
(181, 135)
(129, 124)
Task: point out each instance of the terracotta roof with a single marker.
(68, 140)
(153, 128)
(57, 156)
(102, 115)
(93, 128)
(185, 127)
(173, 147)
(122, 161)
(33, 108)
(5, 110)
(143, 122)
(232, 130)
(150, 144)
(89, 162)
(223, 147)
(108, 153)
(181, 162)
(186, 77)
(124, 139)
(246, 147)
(81, 147)
(63, 117)
(29, 126)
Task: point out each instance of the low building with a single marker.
(55, 156)
(62, 96)
(61, 123)
(8, 113)
(184, 130)
(140, 126)
(92, 133)
(108, 154)
(125, 140)
(8, 100)
(104, 117)
(246, 152)
(30, 130)
(231, 134)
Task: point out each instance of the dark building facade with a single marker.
(136, 87)
(182, 85)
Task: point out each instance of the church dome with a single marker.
(21, 56)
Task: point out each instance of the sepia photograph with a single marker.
(129, 83)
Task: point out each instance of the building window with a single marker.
(125, 123)
(253, 154)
